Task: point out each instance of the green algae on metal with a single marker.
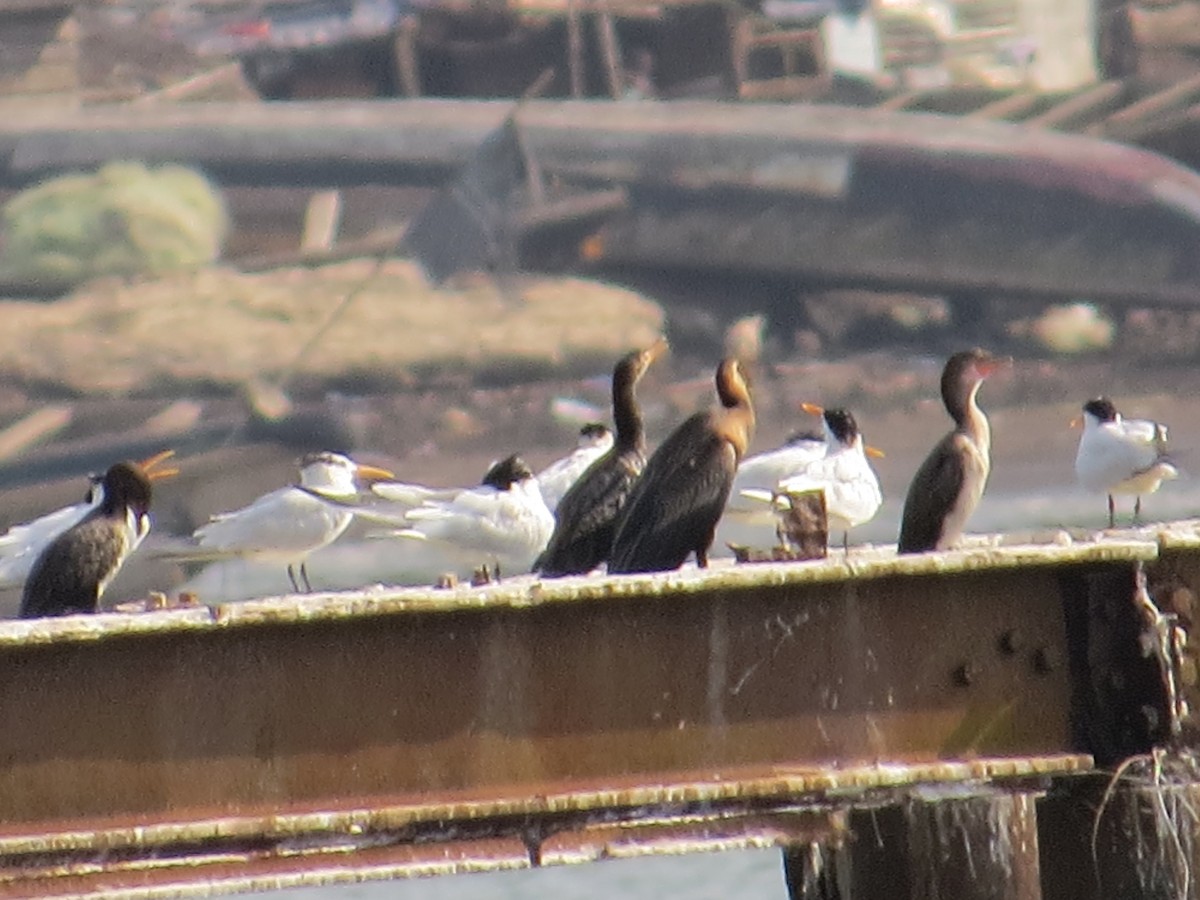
(860, 564)
(782, 784)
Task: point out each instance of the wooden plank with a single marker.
(1009, 107)
(405, 54)
(34, 428)
(230, 73)
(322, 218)
(1152, 105)
(575, 61)
(1079, 106)
(610, 50)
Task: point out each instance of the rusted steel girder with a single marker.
(397, 731)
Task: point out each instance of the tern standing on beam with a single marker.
(1121, 456)
(844, 474)
(289, 524)
(72, 572)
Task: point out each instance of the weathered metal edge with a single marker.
(782, 786)
(1180, 535)
(529, 591)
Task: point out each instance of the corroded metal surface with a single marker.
(403, 731)
(863, 565)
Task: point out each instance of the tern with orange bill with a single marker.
(289, 524)
(843, 474)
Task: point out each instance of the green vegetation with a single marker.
(123, 220)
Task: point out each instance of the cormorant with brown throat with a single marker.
(674, 507)
(72, 572)
(587, 513)
(949, 484)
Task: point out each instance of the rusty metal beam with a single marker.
(305, 740)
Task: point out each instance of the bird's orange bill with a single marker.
(658, 348)
(874, 452)
(1076, 422)
(987, 366)
(153, 472)
(813, 409)
(374, 473)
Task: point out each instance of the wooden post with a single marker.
(575, 48)
(322, 217)
(817, 872)
(982, 846)
(1131, 839)
(610, 49)
(404, 51)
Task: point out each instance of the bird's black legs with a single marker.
(292, 579)
(1112, 513)
(304, 575)
(1137, 510)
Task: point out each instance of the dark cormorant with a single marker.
(949, 484)
(587, 513)
(674, 507)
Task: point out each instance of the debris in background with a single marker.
(124, 219)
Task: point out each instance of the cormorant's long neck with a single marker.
(737, 416)
(970, 419)
(627, 415)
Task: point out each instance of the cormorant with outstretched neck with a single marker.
(949, 484)
(674, 507)
(72, 572)
(587, 513)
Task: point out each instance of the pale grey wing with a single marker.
(557, 478)
(1108, 457)
(765, 470)
(285, 521)
(489, 522)
(1143, 430)
(389, 503)
(21, 544)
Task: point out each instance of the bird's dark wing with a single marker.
(587, 515)
(933, 492)
(66, 578)
(674, 507)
